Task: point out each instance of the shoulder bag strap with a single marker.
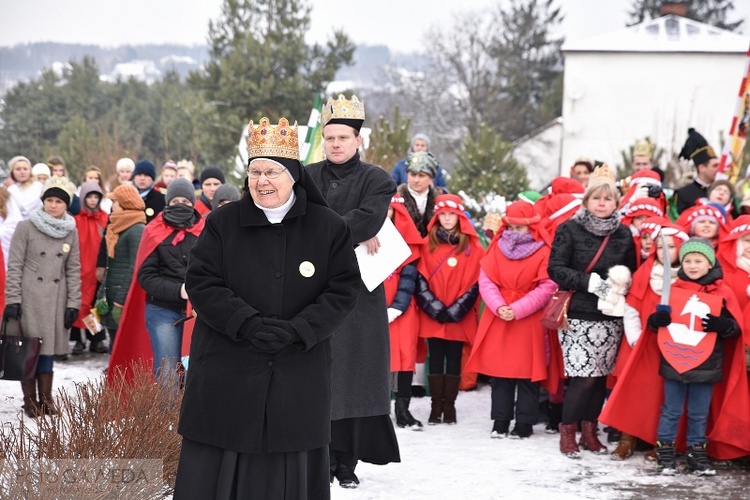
(598, 254)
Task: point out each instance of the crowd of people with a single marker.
(257, 299)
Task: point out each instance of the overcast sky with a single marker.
(399, 24)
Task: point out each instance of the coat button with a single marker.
(39, 279)
(43, 254)
(277, 275)
(335, 184)
(57, 281)
(279, 232)
(60, 255)
(269, 364)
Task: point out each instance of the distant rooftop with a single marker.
(670, 33)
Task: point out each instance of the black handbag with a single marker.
(18, 354)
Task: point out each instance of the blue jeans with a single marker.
(698, 403)
(166, 340)
(44, 365)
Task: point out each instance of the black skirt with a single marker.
(370, 439)
(207, 472)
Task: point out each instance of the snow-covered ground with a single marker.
(461, 461)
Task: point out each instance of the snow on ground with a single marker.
(461, 461)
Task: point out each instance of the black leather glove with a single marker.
(719, 324)
(12, 311)
(70, 317)
(659, 319)
(271, 339)
(442, 317)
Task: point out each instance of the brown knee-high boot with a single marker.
(46, 400)
(30, 403)
(449, 398)
(437, 387)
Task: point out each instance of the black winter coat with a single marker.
(573, 249)
(303, 270)
(155, 203)
(162, 273)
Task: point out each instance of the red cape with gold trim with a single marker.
(132, 343)
(634, 406)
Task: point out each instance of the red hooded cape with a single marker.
(634, 406)
(735, 277)
(132, 344)
(407, 348)
(90, 230)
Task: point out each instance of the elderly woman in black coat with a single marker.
(271, 277)
(591, 342)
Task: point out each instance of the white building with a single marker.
(654, 79)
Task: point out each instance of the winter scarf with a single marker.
(656, 280)
(446, 237)
(180, 215)
(119, 222)
(715, 273)
(596, 225)
(517, 246)
(52, 226)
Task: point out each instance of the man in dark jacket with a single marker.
(144, 176)
(696, 148)
(361, 428)
(271, 277)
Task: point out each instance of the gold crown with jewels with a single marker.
(644, 148)
(278, 141)
(342, 108)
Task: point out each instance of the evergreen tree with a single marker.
(713, 12)
(485, 168)
(261, 65)
(389, 140)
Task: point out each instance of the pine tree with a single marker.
(713, 12)
(389, 140)
(485, 168)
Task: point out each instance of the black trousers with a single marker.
(504, 396)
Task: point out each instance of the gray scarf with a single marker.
(596, 225)
(52, 226)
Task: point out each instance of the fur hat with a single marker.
(212, 173)
(128, 198)
(125, 164)
(698, 245)
(41, 169)
(225, 192)
(696, 148)
(60, 187)
(145, 167)
(180, 187)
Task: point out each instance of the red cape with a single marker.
(132, 344)
(448, 284)
(512, 349)
(202, 208)
(634, 406)
(90, 230)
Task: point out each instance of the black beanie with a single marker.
(212, 173)
(145, 167)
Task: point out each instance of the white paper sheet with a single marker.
(392, 253)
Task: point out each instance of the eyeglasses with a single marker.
(271, 173)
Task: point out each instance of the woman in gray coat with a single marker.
(43, 287)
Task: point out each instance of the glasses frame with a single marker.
(265, 172)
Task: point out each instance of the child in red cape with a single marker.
(734, 257)
(645, 294)
(637, 212)
(90, 222)
(447, 293)
(511, 345)
(406, 347)
(704, 221)
(634, 406)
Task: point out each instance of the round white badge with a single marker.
(149, 211)
(66, 248)
(307, 269)
(453, 262)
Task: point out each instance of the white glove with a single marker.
(183, 292)
(640, 192)
(598, 286)
(393, 313)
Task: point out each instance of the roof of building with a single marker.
(669, 33)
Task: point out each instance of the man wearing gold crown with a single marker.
(643, 154)
(706, 163)
(271, 277)
(361, 427)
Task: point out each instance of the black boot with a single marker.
(521, 431)
(346, 476)
(500, 429)
(665, 464)
(555, 417)
(404, 418)
(697, 461)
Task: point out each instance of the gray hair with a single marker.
(421, 136)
